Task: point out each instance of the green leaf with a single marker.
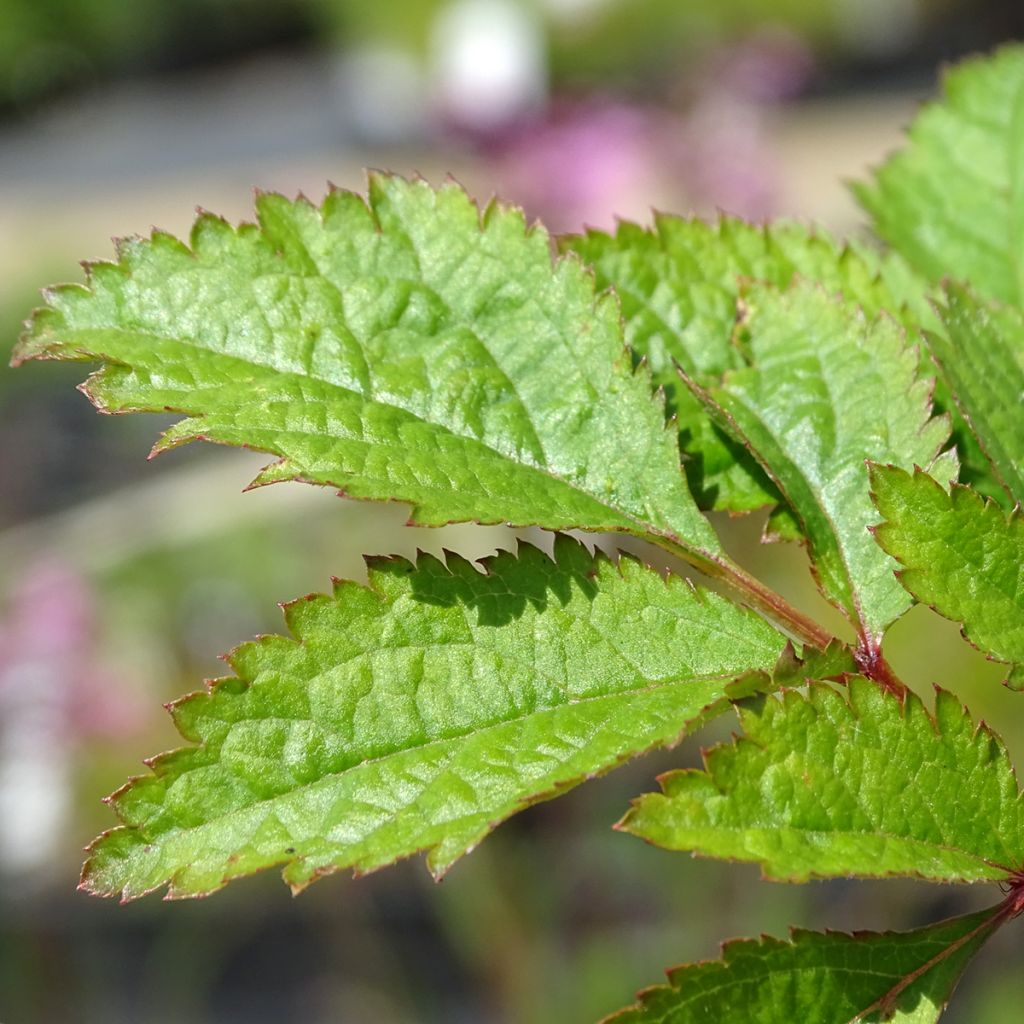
(825, 389)
(419, 712)
(952, 202)
(413, 349)
(821, 787)
(960, 554)
(679, 283)
(822, 978)
(836, 662)
(981, 354)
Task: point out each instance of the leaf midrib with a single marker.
(647, 685)
(640, 527)
(327, 779)
(887, 836)
(767, 466)
(726, 982)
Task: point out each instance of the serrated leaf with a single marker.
(819, 787)
(960, 554)
(822, 978)
(409, 348)
(981, 355)
(835, 662)
(419, 712)
(823, 390)
(952, 201)
(679, 283)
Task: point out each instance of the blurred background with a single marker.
(121, 580)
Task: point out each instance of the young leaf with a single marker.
(419, 712)
(821, 787)
(952, 202)
(981, 354)
(960, 554)
(822, 978)
(679, 283)
(412, 348)
(824, 390)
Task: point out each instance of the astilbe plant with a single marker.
(410, 347)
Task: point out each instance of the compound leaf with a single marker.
(822, 786)
(981, 354)
(679, 283)
(952, 201)
(824, 389)
(822, 978)
(409, 348)
(960, 554)
(419, 712)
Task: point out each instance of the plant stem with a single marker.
(755, 594)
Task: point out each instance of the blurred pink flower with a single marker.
(50, 632)
(585, 162)
(580, 164)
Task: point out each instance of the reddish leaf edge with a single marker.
(739, 687)
(991, 920)
(1014, 678)
(1013, 880)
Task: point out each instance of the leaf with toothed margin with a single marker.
(952, 201)
(960, 554)
(822, 390)
(981, 355)
(836, 662)
(822, 978)
(408, 348)
(679, 283)
(420, 711)
(821, 786)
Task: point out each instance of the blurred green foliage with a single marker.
(50, 45)
(47, 46)
(591, 43)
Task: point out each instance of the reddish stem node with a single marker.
(1013, 905)
(872, 664)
